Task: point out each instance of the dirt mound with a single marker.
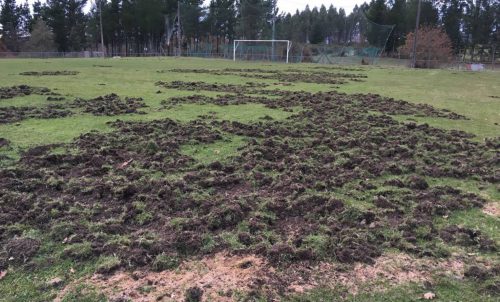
(467, 237)
(18, 251)
(4, 142)
(50, 73)
(23, 90)
(13, 114)
(52, 98)
(486, 276)
(109, 105)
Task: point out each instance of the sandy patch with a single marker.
(218, 276)
(221, 276)
(492, 209)
(390, 269)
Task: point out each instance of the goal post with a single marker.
(236, 43)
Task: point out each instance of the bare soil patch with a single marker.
(492, 209)
(218, 277)
(221, 276)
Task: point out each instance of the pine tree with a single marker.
(67, 21)
(221, 20)
(397, 17)
(10, 21)
(452, 16)
(251, 18)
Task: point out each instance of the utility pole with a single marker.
(102, 35)
(274, 32)
(415, 40)
(179, 28)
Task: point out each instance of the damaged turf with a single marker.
(340, 180)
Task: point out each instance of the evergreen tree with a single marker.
(377, 13)
(452, 16)
(397, 17)
(191, 15)
(251, 18)
(67, 21)
(11, 22)
(221, 18)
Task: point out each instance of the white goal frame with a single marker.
(288, 46)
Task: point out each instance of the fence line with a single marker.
(51, 54)
(458, 63)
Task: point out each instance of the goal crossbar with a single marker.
(288, 46)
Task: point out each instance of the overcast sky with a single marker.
(289, 6)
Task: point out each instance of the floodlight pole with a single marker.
(415, 40)
(179, 52)
(102, 35)
(274, 32)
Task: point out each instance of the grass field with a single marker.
(161, 157)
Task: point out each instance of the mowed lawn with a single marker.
(474, 95)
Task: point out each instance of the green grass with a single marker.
(466, 93)
(462, 92)
(218, 151)
(25, 284)
(445, 289)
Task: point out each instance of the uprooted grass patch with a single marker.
(107, 105)
(23, 90)
(15, 114)
(287, 75)
(282, 196)
(50, 73)
(110, 104)
(198, 86)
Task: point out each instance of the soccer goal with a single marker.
(262, 50)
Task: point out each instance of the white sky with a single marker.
(289, 6)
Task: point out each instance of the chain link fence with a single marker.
(52, 54)
(318, 54)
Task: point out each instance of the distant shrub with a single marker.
(433, 47)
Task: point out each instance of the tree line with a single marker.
(138, 26)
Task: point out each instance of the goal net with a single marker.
(262, 50)
(363, 40)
